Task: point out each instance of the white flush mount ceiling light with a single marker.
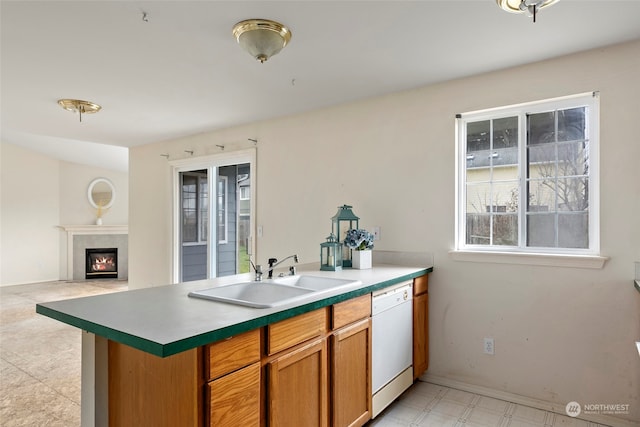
(532, 7)
(262, 38)
(79, 106)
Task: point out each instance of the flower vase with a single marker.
(361, 260)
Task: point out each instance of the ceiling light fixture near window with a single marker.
(262, 38)
(525, 6)
(79, 106)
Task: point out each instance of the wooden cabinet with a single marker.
(148, 390)
(297, 374)
(233, 392)
(310, 370)
(232, 354)
(346, 312)
(302, 388)
(297, 387)
(350, 354)
(234, 399)
(287, 333)
(420, 325)
(351, 375)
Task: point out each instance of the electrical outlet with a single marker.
(376, 233)
(488, 346)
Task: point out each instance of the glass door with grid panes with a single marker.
(213, 221)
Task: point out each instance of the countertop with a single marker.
(164, 321)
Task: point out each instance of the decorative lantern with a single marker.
(343, 221)
(331, 254)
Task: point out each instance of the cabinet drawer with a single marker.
(232, 354)
(289, 332)
(349, 311)
(234, 399)
(421, 285)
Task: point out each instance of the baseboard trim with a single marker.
(522, 400)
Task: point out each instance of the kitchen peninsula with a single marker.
(176, 358)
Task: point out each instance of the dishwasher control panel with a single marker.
(391, 297)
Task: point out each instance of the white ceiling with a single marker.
(181, 72)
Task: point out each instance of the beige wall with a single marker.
(30, 210)
(40, 193)
(561, 334)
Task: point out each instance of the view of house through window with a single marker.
(218, 244)
(195, 207)
(527, 179)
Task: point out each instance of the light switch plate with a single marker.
(376, 233)
(489, 346)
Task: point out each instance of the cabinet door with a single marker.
(421, 285)
(234, 399)
(297, 384)
(351, 375)
(420, 334)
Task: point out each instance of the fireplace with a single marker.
(102, 263)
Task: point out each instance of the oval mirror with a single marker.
(101, 193)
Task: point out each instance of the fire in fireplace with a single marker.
(102, 263)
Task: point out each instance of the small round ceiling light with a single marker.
(262, 38)
(531, 7)
(79, 106)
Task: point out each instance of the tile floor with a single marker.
(426, 404)
(40, 373)
(39, 356)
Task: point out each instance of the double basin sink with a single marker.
(273, 292)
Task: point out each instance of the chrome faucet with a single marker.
(257, 269)
(273, 263)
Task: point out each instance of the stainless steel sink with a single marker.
(314, 282)
(254, 294)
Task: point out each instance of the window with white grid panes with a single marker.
(527, 177)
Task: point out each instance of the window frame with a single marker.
(589, 100)
(211, 163)
(222, 209)
(201, 223)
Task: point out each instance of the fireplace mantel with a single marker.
(92, 230)
(95, 229)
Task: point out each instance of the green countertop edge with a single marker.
(165, 350)
(101, 330)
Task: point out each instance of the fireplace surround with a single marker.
(77, 238)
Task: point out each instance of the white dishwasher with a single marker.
(392, 344)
